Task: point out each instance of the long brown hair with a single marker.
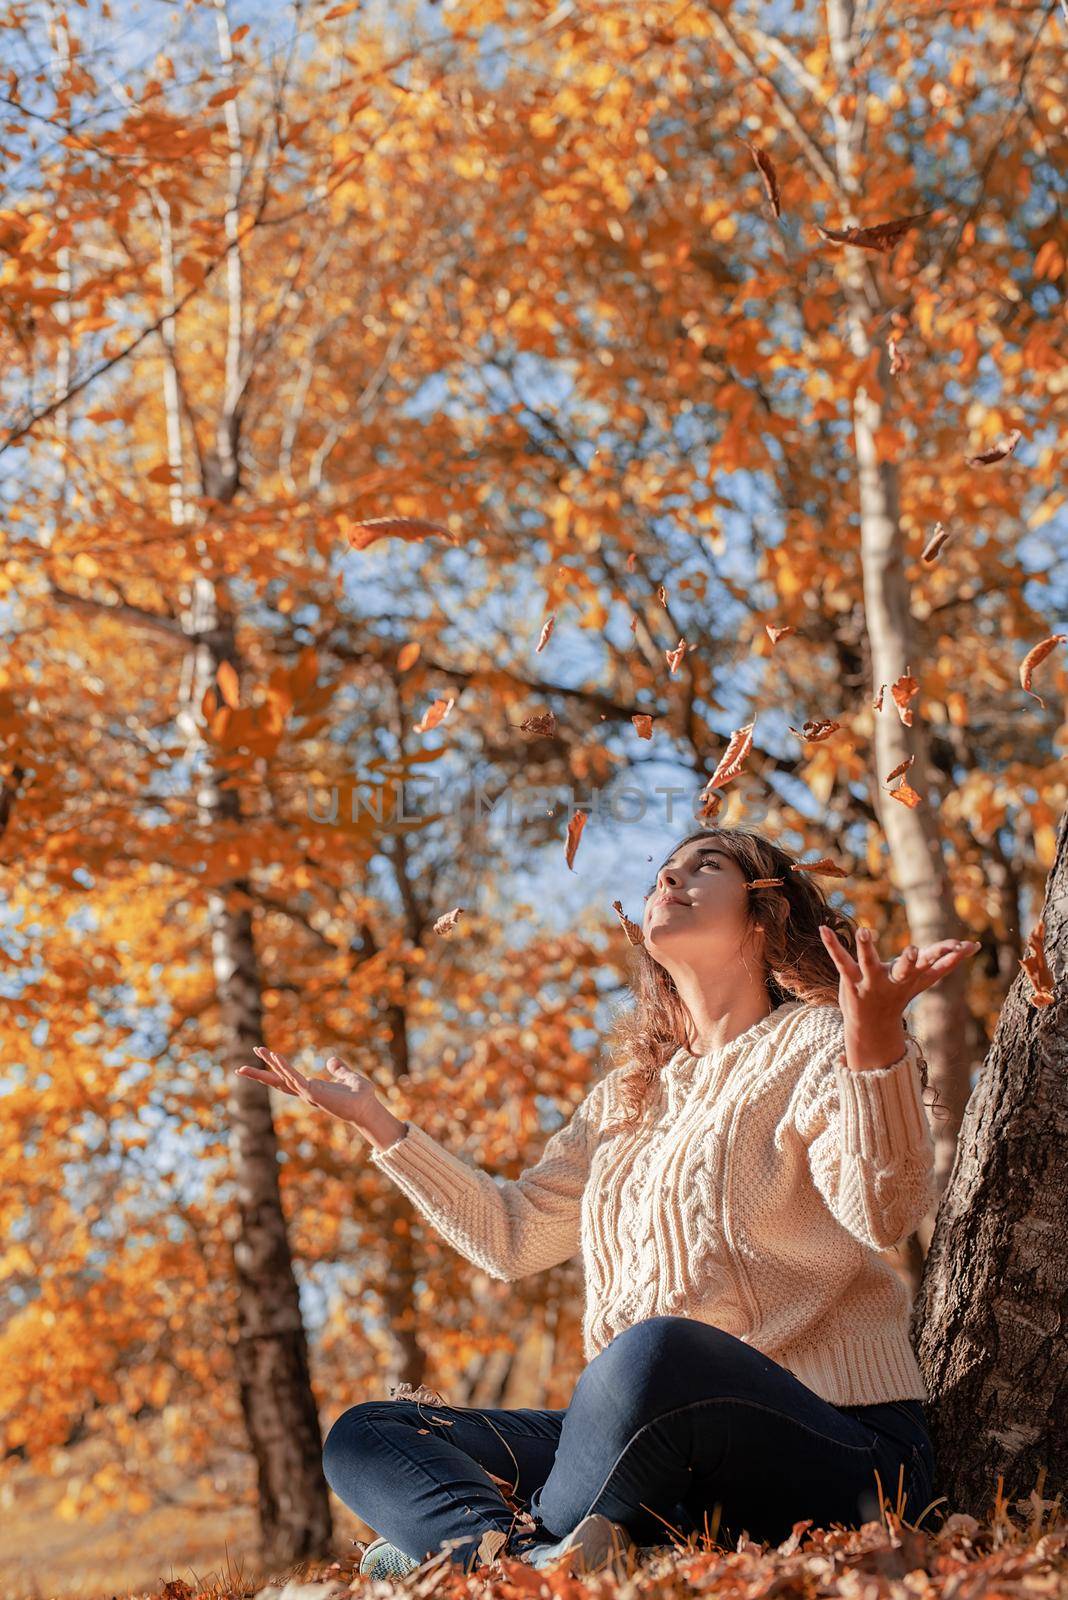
(797, 964)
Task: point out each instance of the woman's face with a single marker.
(698, 911)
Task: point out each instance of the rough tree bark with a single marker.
(989, 1320)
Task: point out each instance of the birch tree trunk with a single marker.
(916, 858)
(988, 1324)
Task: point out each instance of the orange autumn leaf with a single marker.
(408, 655)
(543, 722)
(824, 866)
(997, 452)
(361, 535)
(435, 713)
(1035, 965)
(902, 766)
(813, 732)
(547, 628)
(935, 543)
(764, 883)
(661, 595)
(446, 923)
(906, 794)
(631, 929)
(775, 634)
(767, 172)
(882, 236)
(1034, 657)
(643, 722)
(226, 678)
(733, 758)
(877, 703)
(161, 474)
(632, 561)
(673, 657)
(905, 689)
(574, 834)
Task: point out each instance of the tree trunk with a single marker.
(270, 1347)
(916, 859)
(988, 1322)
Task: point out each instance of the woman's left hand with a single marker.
(873, 994)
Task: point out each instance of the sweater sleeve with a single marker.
(509, 1228)
(870, 1149)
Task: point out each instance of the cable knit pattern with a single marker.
(754, 1193)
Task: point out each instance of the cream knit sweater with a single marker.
(754, 1194)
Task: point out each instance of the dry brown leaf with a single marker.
(661, 595)
(1035, 965)
(764, 883)
(732, 759)
(906, 794)
(673, 657)
(1004, 447)
(543, 722)
(1034, 657)
(547, 628)
(902, 766)
(632, 561)
(574, 834)
(435, 713)
(935, 543)
(877, 703)
(631, 929)
(361, 535)
(813, 732)
(446, 923)
(643, 722)
(408, 655)
(882, 236)
(824, 866)
(775, 634)
(905, 689)
(768, 173)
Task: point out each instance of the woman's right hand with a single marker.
(349, 1098)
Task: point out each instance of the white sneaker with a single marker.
(595, 1543)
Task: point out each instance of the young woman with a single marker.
(730, 1184)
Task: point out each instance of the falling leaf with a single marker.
(1005, 447)
(574, 834)
(767, 172)
(631, 929)
(775, 634)
(632, 561)
(883, 236)
(1035, 965)
(161, 474)
(764, 883)
(661, 595)
(906, 794)
(361, 535)
(813, 732)
(547, 628)
(673, 657)
(446, 923)
(226, 678)
(434, 714)
(935, 543)
(544, 722)
(905, 689)
(730, 763)
(902, 766)
(644, 724)
(877, 703)
(1034, 656)
(899, 361)
(408, 655)
(825, 866)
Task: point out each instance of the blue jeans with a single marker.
(675, 1426)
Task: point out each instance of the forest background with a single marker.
(545, 285)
